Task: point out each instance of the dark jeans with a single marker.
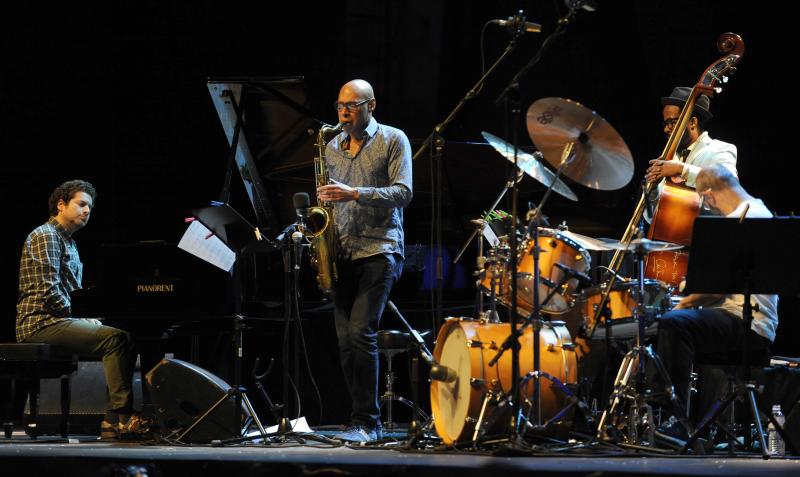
(710, 333)
(361, 294)
(114, 346)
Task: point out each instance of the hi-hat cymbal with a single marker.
(600, 159)
(644, 245)
(529, 165)
(589, 243)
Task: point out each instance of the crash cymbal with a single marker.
(600, 159)
(645, 246)
(530, 165)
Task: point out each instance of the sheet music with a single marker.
(203, 244)
(490, 236)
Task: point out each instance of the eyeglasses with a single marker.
(351, 106)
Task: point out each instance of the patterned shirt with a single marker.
(381, 171)
(49, 270)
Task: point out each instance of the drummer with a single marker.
(703, 324)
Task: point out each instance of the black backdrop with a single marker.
(116, 94)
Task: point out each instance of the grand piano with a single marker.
(168, 299)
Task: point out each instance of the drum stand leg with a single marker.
(639, 412)
(489, 397)
(571, 398)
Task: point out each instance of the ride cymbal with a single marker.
(599, 159)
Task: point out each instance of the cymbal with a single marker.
(645, 246)
(589, 243)
(529, 164)
(600, 159)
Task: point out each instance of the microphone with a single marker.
(442, 373)
(517, 22)
(583, 278)
(329, 129)
(301, 202)
(297, 238)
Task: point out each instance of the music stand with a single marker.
(242, 238)
(733, 256)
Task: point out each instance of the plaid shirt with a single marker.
(49, 270)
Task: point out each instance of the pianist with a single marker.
(49, 270)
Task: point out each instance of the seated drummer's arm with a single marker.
(698, 299)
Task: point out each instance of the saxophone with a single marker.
(319, 225)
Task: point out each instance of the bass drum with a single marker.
(466, 346)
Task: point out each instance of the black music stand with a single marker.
(733, 256)
(242, 238)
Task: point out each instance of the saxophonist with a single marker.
(370, 169)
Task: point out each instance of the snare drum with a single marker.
(622, 302)
(466, 346)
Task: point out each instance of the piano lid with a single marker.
(277, 134)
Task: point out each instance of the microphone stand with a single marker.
(510, 97)
(291, 251)
(435, 143)
(284, 425)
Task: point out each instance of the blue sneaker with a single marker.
(359, 433)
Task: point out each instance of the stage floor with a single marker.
(84, 455)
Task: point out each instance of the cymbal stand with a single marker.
(509, 98)
(629, 384)
(512, 341)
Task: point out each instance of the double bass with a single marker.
(678, 205)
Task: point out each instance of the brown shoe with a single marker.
(108, 430)
(136, 428)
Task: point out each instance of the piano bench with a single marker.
(32, 362)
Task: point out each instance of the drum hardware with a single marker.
(481, 228)
(479, 423)
(638, 247)
(535, 318)
(510, 99)
(416, 429)
(572, 401)
(629, 384)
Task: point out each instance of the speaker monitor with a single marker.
(182, 392)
